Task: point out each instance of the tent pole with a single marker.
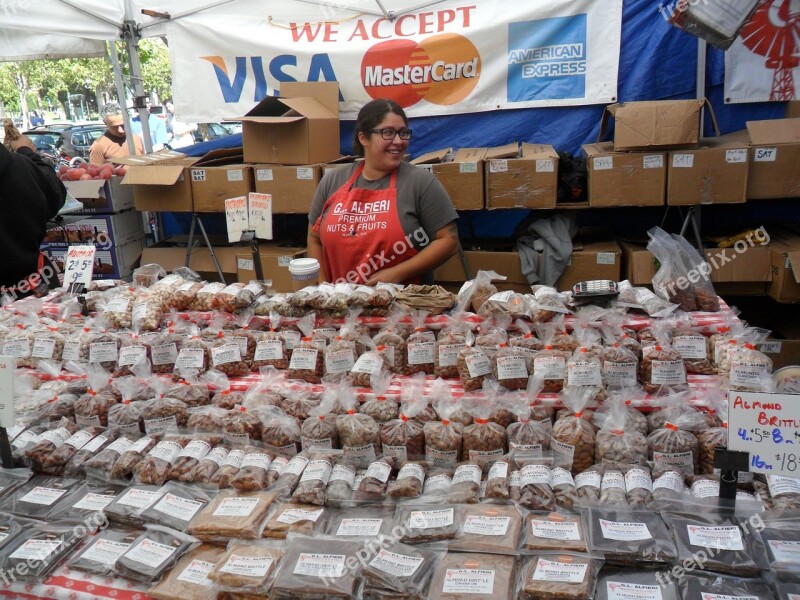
(131, 38)
(121, 95)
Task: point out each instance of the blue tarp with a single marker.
(657, 61)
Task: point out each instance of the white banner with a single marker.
(762, 64)
(449, 58)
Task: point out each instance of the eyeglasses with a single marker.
(388, 133)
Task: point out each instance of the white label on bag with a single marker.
(785, 551)
(178, 507)
(396, 565)
(467, 474)
(236, 507)
(707, 596)
(682, 161)
(369, 362)
(441, 457)
(549, 367)
(512, 367)
(535, 475)
(617, 590)
(668, 372)
(24, 438)
(483, 525)
(561, 477)
(437, 482)
(190, 358)
(339, 361)
(226, 353)
(43, 348)
(379, 470)
(72, 350)
(248, 566)
(421, 353)
(468, 581)
(485, 457)
(139, 311)
(638, 479)
(398, 452)
(93, 421)
(55, 436)
(670, 481)
(139, 498)
(554, 530)
(165, 354)
(448, 354)
(94, 501)
(197, 449)
(120, 445)
(317, 470)
(705, 488)
(619, 374)
(329, 566)
(43, 495)
(279, 464)
(624, 531)
(197, 573)
(561, 451)
(681, 460)
(258, 460)
(241, 341)
(549, 570)
(362, 455)
(103, 352)
(603, 163)
(130, 355)
(344, 473)
(95, 444)
(431, 519)
(79, 439)
(584, 373)
(166, 450)
(150, 553)
(106, 552)
(499, 470)
(589, 478)
(217, 456)
(748, 373)
(653, 161)
(612, 480)
(234, 458)
(720, 538)
(304, 359)
(161, 424)
(269, 350)
(295, 515)
(411, 470)
(359, 527)
(478, 365)
(118, 305)
(691, 346)
(36, 549)
(780, 485)
(291, 338)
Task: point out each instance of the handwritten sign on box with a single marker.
(767, 426)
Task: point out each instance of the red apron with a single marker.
(361, 233)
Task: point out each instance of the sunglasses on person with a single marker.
(388, 133)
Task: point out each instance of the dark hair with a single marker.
(370, 115)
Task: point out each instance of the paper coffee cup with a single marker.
(304, 272)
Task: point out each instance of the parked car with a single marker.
(69, 140)
(215, 130)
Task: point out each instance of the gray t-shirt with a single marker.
(423, 203)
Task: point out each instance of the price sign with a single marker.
(767, 426)
(261, 215)
(236, 217)
(6, 391)
(79, 265)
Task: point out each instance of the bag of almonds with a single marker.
(420, 346)
(319, 429)
(527, 342)
(341, 353)
(270, 348)
(473, 294)
(194, 353)
(526, 435)
(474, 365)
(307, 362)
(393, 340)
(449, 343)
(381, 407)
(573, 438)
(404, 438)
(443, 438)
(484, 441)
(372, 366)
(510, 367)
(546, 304)
(91, 409)
(492, 333)
(359, 434)
(126, 417)
(674, 444)
(635, 420)
(722, 335)
(615, 442)
(441, 391)
(550, 364)
(661, 364)
(226, 349)
(280, 432)
(692, 345)
(749, 369)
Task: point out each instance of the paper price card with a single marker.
(236, 217)
(79, 265)
(261, 215)
(767, 426)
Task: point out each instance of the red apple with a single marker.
(63, 169)
(85, 177)
(74, 174)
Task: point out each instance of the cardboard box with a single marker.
(529, 180)
(785, 260)
(714, 173)
(774, 159)
(292, 188)
(727, 265)
(160, 181)
(101, 230)
(663, 124)
(274, 264)
(217, 176)
(461, 174)
(112, 262)
(101, 196)
(590, 260)
(625, 178)
(299, 127)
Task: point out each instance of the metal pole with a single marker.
(121, 94)
(131, 35)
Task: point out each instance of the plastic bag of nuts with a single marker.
(319, 429)
(527, 435)
(498, 480)
(483, 441)
(638, 485)
(617, 443)
(164, 349)
(547, 303)
(270, 347)
(536, 492)
(450, 342)
(194, 353)
(242, 426)
(550, 364)
(307, 362)
(674, 444)
(341, 482)
(573, 438)
(421, 346)
(562, 576)
(162, 414)
(527, 342)
(692, 345)
(235, 296)
(252, 474)
(410, 480)
(661, 365)
(204, 297)
(510, 367)
(359, 434)
(372, 364)
(280, 433)
(394, 342)
(91, 409)
(380, 407)
(750, 370)
(147, 312)
(117, 312)
(228, 469)
(125, 464)
(443, 438)
(155, 467)
(473, 365)
(126, 417)
(227, 356)
(404, 438)
(314, 480)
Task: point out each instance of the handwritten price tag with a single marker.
(6, 391)
(261, 215)
(236, 217)
(767, 426)
(79, 265)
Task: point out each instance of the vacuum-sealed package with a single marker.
(553, 531)
(86, 503)
(340, 483)
(712, 587)
(475, 576)
(314, 480)
(232, 515)
(489, 528)
(305, 519)
(102, 551)
(362, 523)
(629, 538)
(423, 523)
(178, 505)
(315, 568)
(619, 584)
(126, 507)
(189, 579)
(153, 553)
(465, 486)
(247, 567)
(38, 550)
(558, 577)
(37, 497)
(400, 571)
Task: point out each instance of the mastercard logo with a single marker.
(443, 69)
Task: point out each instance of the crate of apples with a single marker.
(86, 171)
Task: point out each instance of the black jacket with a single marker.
(30, 195)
